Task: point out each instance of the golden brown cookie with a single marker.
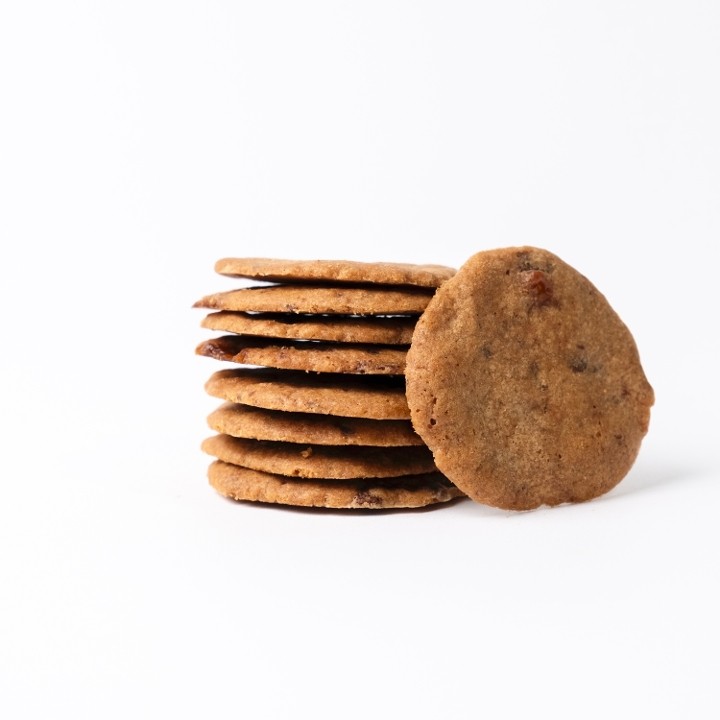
(525, 383)
(376, 300)
(330, 328)
(306, 355)
(240, 483)
(379, 397)
(255, 423)
(334, 271)
(320, 461)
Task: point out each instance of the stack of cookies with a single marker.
(524, 386)
(315, 413)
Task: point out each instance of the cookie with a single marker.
(334, 271)
(321, 300)
(525, 383)
(320, 461)
(307, 356)
(373, 396)
(334, 328)
(245, 421)
(240, 483)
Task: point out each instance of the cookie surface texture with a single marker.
(525, 383)
(239, 483)
(338, 271)
(245, 421)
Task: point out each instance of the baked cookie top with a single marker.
(239, 483)
(330, 328)
(306, 355)
(525, 383)
(323, 300)
(334, 271)
(245, 421)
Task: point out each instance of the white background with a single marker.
(141, 141)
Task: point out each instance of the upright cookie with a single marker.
(373, 396)
(330, 328)
(377, 300)
(255, 423)
(335, 271)
(239, 483)
(320, 461)
(525, 383)
(307, 356)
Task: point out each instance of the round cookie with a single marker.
(239, 483)
(321, 300)
(335, 271)
(333, 328)
(525, 383)
(377, 397)
(320, 461)
(306, 355)
(245, 421)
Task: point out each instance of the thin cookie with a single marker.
(330, 328)
(321, 300)
(245, 421)
(377, 397)
(307, 356)
(320, 461)
(240, 483)
(334, 271)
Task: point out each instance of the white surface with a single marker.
(140, 141)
